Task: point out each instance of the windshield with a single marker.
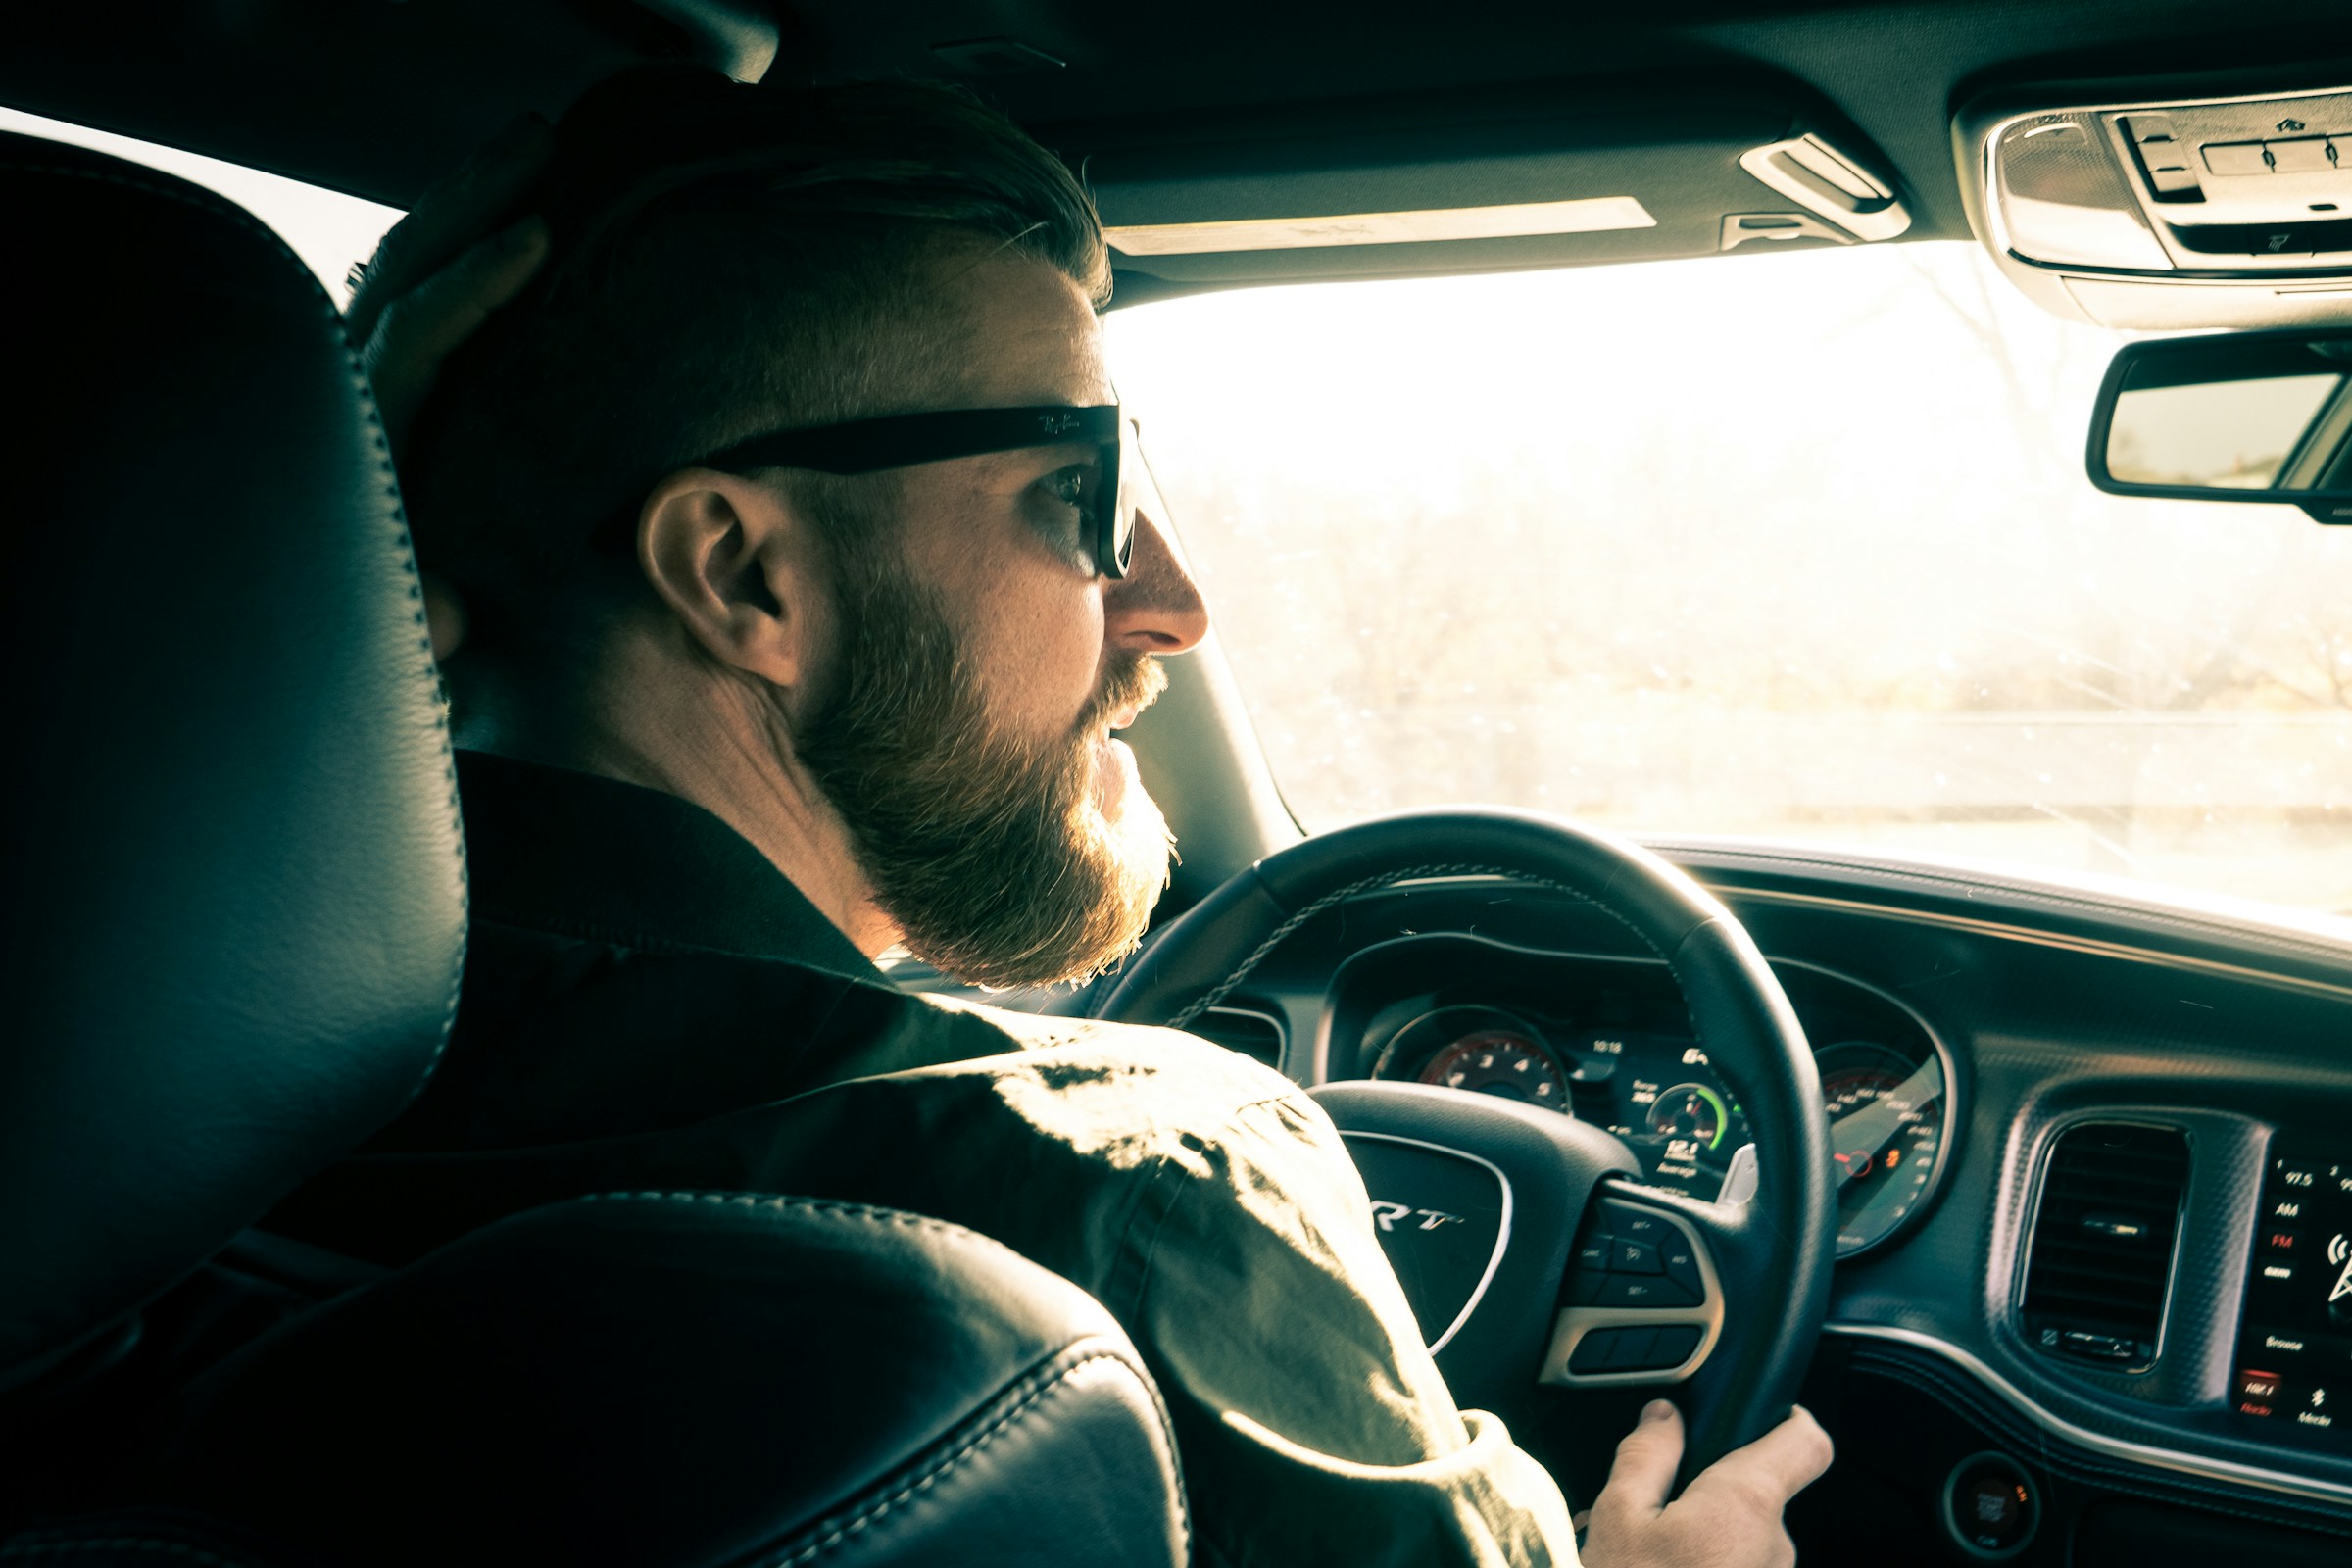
(1794, 545)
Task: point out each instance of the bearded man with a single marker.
(801, 604)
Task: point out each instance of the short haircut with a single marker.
(727, 259)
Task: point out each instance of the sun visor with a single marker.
(2169, 209)
(1402, 193)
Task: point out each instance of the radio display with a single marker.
(2294, 1346)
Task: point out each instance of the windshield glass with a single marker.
(1794, 545)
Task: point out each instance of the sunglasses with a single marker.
(1107, 499)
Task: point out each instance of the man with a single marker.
(787, 642)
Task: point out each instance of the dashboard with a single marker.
(2094, 1192)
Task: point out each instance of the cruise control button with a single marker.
(1594, 1252)
(1632, 1225)
(1634, 1257)
(1640, 1289)
(1681, 1262)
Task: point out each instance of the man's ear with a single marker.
(734, 561)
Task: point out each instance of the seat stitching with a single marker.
(1048, 1383)
(897, 1216)
(828, 1205)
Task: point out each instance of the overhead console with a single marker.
(2169, 209)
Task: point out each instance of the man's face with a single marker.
(965, 732)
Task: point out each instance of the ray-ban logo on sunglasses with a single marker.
(1056, 423)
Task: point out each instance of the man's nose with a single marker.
(1156, 607)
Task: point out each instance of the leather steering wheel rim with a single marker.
(1772, 1251)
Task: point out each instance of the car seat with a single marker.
(237, 918)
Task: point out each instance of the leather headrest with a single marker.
(236, 898)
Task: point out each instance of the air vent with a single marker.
(2103, 1238)
(1253, 1034)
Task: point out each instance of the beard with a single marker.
(999, 859)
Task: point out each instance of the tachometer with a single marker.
(1886, 1134)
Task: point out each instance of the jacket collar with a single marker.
(555, 849)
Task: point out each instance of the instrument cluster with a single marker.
(1625, 1059)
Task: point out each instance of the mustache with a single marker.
(1133, 680)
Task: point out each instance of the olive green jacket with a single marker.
(648, 1004)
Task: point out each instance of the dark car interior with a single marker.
(2065, 1269)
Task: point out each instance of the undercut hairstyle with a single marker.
(725, 259)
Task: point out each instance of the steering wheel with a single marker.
(1530, 1249)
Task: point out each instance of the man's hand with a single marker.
(443, 269)
(1728, 1517)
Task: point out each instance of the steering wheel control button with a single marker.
(1635, 1350)
(1597, 1350)
(1634, 1257)
(1642, 1290)
(1989, 1506)
(1593, 1254)
(1680, 1260)
(1630, 1224)
(1675, 1346)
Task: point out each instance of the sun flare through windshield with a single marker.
(1796, 545)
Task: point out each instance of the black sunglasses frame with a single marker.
(903, 440)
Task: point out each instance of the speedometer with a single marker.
(1482, 1050)
(1887, 1137)
(1500, 1061)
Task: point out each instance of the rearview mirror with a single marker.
(2238, 417)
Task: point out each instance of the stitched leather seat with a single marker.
(237, 918)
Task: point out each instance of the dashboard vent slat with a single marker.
(2103, 1238)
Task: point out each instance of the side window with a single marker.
(326, 229)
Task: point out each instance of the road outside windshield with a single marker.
(1794, 545)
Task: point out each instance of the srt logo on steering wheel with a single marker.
(1385, 1214)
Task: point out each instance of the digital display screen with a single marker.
(2294, 1348)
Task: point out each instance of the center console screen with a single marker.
(2294, 1346)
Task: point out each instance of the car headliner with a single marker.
(1210, 109)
